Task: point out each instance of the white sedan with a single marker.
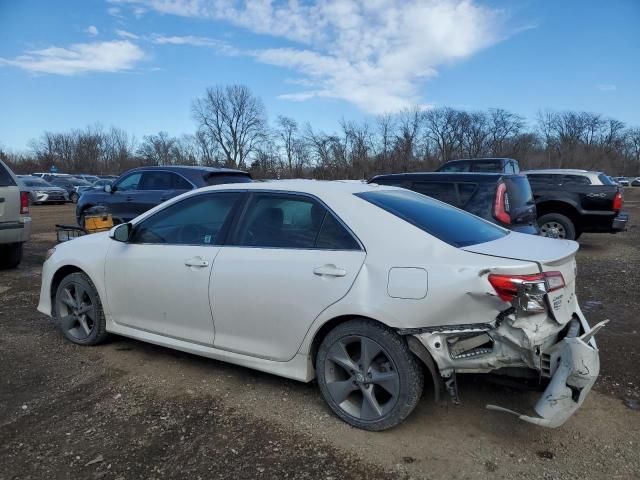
(363, 287)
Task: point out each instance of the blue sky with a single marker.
(138, 64)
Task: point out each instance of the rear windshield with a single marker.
(606, 180)
(452, 226)
(5, 177)
(219, 179)
(519, 190)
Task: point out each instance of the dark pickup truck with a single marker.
(573, 202)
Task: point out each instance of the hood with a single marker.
(532, 248)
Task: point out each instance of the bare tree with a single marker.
(286, 132)
(234, 119)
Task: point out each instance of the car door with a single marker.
(289, 259)
(123, 197)
(158, 281)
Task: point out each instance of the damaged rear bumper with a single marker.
(578, 365)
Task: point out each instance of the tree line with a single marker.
(232, 131)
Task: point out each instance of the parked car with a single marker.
(498, 165)
(635, 182)
(140, 189)
(100, 184)
(15, 222)
(572, 202)
(623, 181)
(41, 191)
(505, 200)
(87, 178)
(74, 186)
(362, 287)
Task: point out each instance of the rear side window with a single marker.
(156, 181)
(452, 226)
(443, 191)
(292, 221)
(6, 180)
(455, 167)
(490, 166)
(575, 180)
(220, 178)
(544, 179)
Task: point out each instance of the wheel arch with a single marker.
(556, 206)
(426, 360)
(57, 278)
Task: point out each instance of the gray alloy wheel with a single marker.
(367, 375)
(78, 310)
(557, 225)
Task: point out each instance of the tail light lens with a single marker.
(24, 203)
(617, 202)
(501, 204)
(527, 290)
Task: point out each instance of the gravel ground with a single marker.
(128, 410)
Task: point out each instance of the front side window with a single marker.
(455, 227)
(292, 221)
(575, 180)
(129, 183)
(197, 220)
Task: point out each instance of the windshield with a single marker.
(455, 227)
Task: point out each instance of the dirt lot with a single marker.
(129, 410)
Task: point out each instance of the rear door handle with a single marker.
(196, 262)
(330, 271)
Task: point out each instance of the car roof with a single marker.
(480, 159)
(560, 171)
(475, 176)
(188, 169)
(314, 187)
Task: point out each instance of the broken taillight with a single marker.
(617, 202)
(501, 204)
(24, 203)
(528, 290)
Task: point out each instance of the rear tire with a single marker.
(10, 255)
(78, 310)
(368, 376)
(563, 224)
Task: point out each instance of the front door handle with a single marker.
(196, 262)
(330, 271)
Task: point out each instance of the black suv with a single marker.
(497, 165)
(505, 200)
(141, 189)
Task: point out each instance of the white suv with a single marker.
(15, 222)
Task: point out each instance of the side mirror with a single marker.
(121, 233)
(108, 188)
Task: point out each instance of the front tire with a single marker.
(74, 197)
(562, 224)
(78, 310)
(368, 376)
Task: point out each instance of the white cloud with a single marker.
(125, 34)
(606, 87)
(373, 53)
(112, 56)
(91, 30)
(219, 45)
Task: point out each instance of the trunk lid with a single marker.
(551, 255)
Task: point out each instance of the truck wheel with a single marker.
(562, 224)
(10, 255)
(367, 375)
